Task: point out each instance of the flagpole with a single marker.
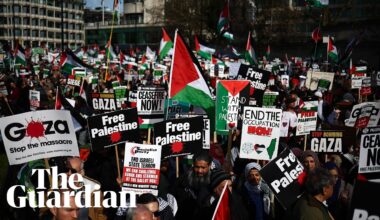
(110, 40)
(316, 42)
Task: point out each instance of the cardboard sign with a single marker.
(326, 141)
(364, 203)
(34, 99)
(260, 133)
(269, 99)
(281, 175)
(141, 172)
(259, 79)
(37, 135)
(369, 160)
(313, 78)
(231, 97)
(150, 105)
(103, 101)
(112, 128)
(363, 115)
(179, 136)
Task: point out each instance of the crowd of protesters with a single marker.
(327, 180)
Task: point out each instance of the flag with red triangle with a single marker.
(332, 51)
(223, 22)
(316, 35)
(250, 55)
(187, 83)
(166, 45)
(222, 211)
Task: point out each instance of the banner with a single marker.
(37, 135)
(231, 97)
(260, 133)
(103, 101)
(281, 175)
(369, 157)
(150, 105)
(313, 78)
(112, 128)
(259, 79)
(363, 115)
(364, 203)
(34, 99)
(326, 141)
(141, 172)
(307, 118)
(179, 136)
(269, 99)
(174, 109)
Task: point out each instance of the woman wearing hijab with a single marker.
(256, 193)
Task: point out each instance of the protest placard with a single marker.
(307, 118)
(363, 115)
(179, 136)
(37, 135)
(366, 87)
(141, 172)
(269, 99)
(174, 108)
(120, 96)
(103, 101)
(231, 97)
(313, 78)
(109, 129)
(150, 105)
(369, 157)
(74, 80)
(326, 141)
(260, 133)
(259, 79)
(363, 201)
(281, 175)
(34, 99)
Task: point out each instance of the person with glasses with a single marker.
(338, 203)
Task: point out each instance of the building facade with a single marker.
(139, 25)
(33, 22)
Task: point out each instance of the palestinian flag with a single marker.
(250, 55)
(68, 61)
(144, 63)
(203, 51)
(316, 35)
(20, 55)
(332, 51)
(267, 53)
(223, 22)
(110, 54)
(93, 51)
(166, 45)
(187, 83)
(222, 210)
(228, 35)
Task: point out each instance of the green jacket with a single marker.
(308, 208)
